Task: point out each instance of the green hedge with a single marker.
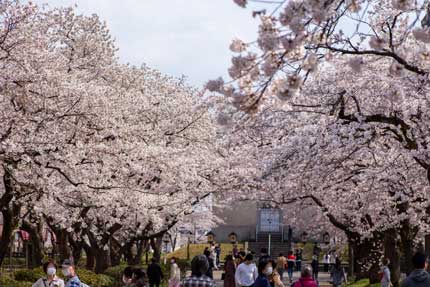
(363, 283)
(6, 279)
(112, 277)
(23, 277)
(29, 275)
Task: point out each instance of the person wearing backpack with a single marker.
(338, 274)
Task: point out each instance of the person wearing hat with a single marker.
(69, 273)
(51, 280)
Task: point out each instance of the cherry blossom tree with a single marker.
(90, 146)
(354, 75)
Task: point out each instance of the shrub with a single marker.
(29, 275)
(88, 277)
(9, 282)
(95, 280)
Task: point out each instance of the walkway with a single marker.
(322, 276)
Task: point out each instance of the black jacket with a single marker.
(155, 273)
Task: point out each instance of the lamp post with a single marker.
(188, 245)
(166, 242)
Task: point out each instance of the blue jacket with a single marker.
(262, 281)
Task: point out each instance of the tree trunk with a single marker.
(63, 245)
(392, 252)
(91, 260)
(130, 257)
(156, 244)
(115, 252)
(407, 236)
(366, 257)
(36, 241)
(427, 245)
(10, 212)
(76, 252)
(102, 260)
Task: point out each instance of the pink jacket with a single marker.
(306, 282)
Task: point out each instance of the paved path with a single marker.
(323, 279)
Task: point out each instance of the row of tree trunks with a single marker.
(134, 258)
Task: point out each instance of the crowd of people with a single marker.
(241, 269)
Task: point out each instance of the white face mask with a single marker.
(268, 271)
(66, 272)
(51, 271)
(126, 280)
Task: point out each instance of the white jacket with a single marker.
(43, 282)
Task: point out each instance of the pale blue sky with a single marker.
(189, 37)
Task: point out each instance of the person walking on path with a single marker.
(338, 274)
(69, 272)
(213, 256)
(51, 280)
(155, 274)
(275, 279)
(218, 254)
(332, 259)
(264, 254)
(326, 262)
(299, 260)
(209, 272)
(229, 272)
(246, 272)
(265, 269)
(386, 275)
(419, 277)
(306, 279)
(175, 273)
(291, 262)
(235, 251)
(315, 267)
(198, 278)
(281, 262)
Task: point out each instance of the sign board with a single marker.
(270, 220)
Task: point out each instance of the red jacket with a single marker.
(305, 282)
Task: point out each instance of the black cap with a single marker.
(67, 263)
(419, 260)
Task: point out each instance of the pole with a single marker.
(270, 243)
(188, 249)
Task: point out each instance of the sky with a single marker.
(177, 37)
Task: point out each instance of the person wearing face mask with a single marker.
(69, 273)
(175, 273)
(51, 279)
(265, 270)
(127, 276)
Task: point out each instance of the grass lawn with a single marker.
(363, 283)
(196, 249)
